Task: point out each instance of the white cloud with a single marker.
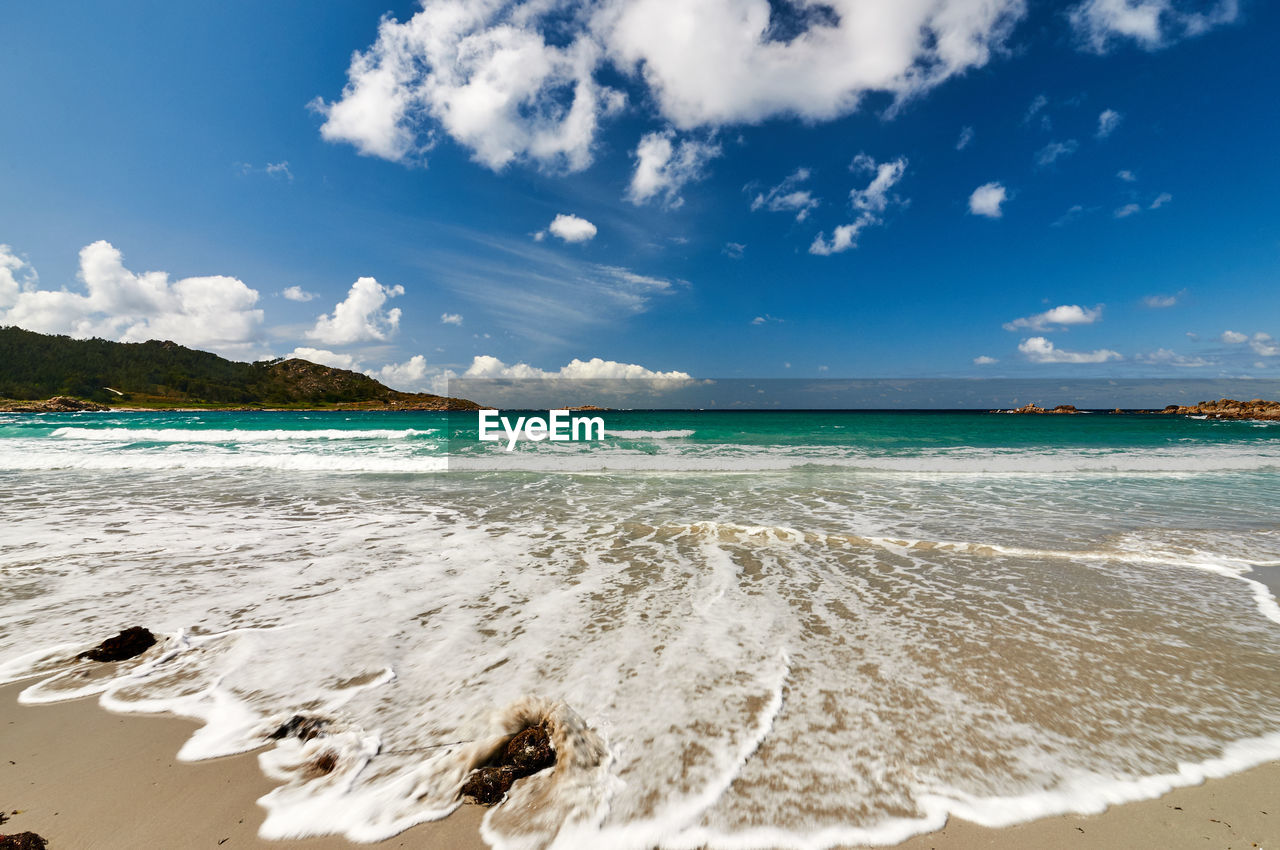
(733, 250)
(483, 73)
(1038, 103)
(1264, 346)
(1127, 210)
(1134, 208)
(360, 317)
(1165, 357)
(1160, 200)
(870, 204)
(966, 137)
(1108, 121)
(451, 318)
(571, 228)
(987, 199)
(16, 276)
(1054, 151)
(765, 319)
(1151, 23)
(984, 360)
(1069, 216)
(1059, 317)
(297, 293)
(521, 80)
(1126, 175)
(1158, 301)
(1234, 337)
(280, 169)
(488, 367)
(1040, 350)
(663, 169)
(324, 357)
(406, 377)
(215, 313)
(787, 196)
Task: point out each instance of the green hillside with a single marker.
(159, 374)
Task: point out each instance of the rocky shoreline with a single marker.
(1223, 408)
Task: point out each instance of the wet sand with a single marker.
(88, 779)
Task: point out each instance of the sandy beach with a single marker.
(86, 778)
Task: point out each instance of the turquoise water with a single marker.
(748, 630)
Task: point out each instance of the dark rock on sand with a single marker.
(489, 785)
(298, 726)
(528, 752)
(23, 841)
(127, 644)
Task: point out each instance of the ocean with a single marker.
(746, 630)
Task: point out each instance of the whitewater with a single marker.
(796, 630)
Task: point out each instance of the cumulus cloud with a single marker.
(1040, 350)
(488, 367)
(869, 204)
(571, 228)
(360, 317)
(486, 75)
(1126, 175)
(966, 137)
(324, 357)
(406, 376)
(297, 293)
(984, 360)
(215, 313)
(451, 318)
(663, 168)
(987, 200)
(1234, 337)
(1159, 301)
(787, 196)
(1058, 318)
(1108, 121)
(16, 276)
(1054, 151)
(521, 80)
(1152, 24)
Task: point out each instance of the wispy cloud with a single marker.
(788, 196)
(1108, 121)
(1054, 151)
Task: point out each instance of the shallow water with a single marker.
(750, 630)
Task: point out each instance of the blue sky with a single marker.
(748, 189)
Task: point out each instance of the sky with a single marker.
(614, 189)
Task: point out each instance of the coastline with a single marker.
(84, 777)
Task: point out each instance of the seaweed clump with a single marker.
(23, 841)
(525, 754)
(130, 642)
(301, 727)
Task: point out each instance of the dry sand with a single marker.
(87, 779)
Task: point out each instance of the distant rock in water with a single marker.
(127, 644)
(1229, 408)
(23, 841)
(57, 404)
(528, 752)
(1032, 407)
